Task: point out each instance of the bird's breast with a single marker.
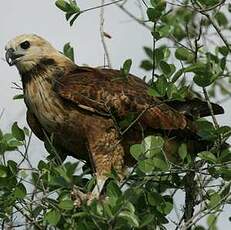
(45, 104)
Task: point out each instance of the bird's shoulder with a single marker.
(100, 88)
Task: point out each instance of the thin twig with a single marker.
(199, 215)
(203, 12)
(102, 35)
(16, 86)
(218, 31)
(141, 22)
(210, 107)
(1, 114)
(28, 217)
(101, 6)
(153, 54)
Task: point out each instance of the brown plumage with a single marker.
(82, 107)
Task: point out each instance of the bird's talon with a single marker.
(79, 198)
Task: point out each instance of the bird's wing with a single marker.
(106, 92)
(35, 125)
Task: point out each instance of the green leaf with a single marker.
(153, 14)
(113, 190)
(159, 87)
(209, 3)
(66, 204)
(3, 171)
(146, 220)
(14, 144)
(152, 145)
(70, 8)
(177, 94)
(131, 218)
(171, 90)
(225, 156)
(160, 164)
(165, 67)
(221, 18)
(177, 75)
(17, 132)
(128, 206)
(167, 207)
(68, 15)
(154, 2)
(18, 96)
(126, 68)
(148, 52)
(173, 69)
(214, 200)
(36, 211)
(53, 216)
(179, 33)
(146, 166)
(74, 6)
(184, 54)
(136, 151)
(154, 198)
(211, 221)
(74, 18)
(208, 156)
(198, 68)
(62, 5)
(229, 7)
(224, 130)
(164, 31)
(68, 51)
(206, 130)
(12, 165)
(26, 131)
(223, 50)
(225, 173)
(146, 65)
(204, 80)
(153, 92)
(1, 134)
(158, 4)
(20, 191)
(182, 151)
(161, 53)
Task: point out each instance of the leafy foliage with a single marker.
(71, 9)
(183, 62)
(69, 51)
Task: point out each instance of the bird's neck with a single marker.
(47, 68)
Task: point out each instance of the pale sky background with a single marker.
(43, 18)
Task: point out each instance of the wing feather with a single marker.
(105, 92)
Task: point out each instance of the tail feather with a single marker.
(196, 107)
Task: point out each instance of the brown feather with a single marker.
(103, 91)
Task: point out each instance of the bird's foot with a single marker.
(79, 197)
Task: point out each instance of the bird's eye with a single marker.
(25, 45)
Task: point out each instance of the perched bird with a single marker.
(82, 108)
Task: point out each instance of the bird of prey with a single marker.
(82, 108)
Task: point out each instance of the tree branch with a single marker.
(102, 35)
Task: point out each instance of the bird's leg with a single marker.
(80, 197)
(106, 154)
(100, 182)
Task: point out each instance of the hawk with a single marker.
(82, 108)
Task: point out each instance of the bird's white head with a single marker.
(27, 50)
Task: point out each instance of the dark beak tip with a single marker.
(10, 56)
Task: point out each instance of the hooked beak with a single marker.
(12, 57)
